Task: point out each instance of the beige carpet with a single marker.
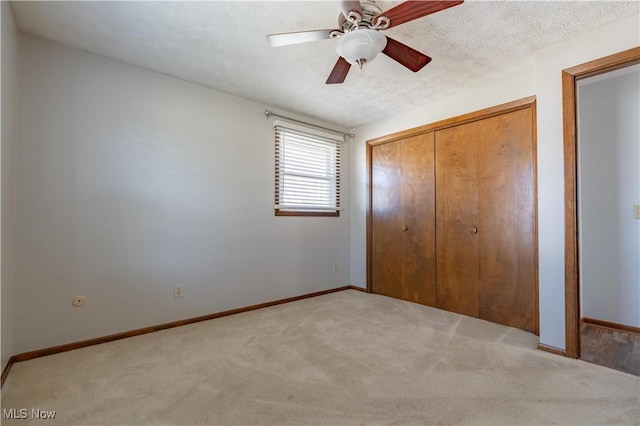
(343, 358)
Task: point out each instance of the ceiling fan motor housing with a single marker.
(366, 20)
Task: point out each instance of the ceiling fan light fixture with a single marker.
(361, 46)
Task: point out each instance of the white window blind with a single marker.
(307, 171)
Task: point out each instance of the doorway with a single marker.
(602, 253)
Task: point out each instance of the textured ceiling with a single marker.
(222, 45)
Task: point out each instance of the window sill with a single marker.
(296, 213)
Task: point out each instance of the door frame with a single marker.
(570, 77)
(524, 103)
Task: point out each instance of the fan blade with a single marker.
(348, 6)
(410, 10)
(284, 39)
(405, 55)
(339, 71)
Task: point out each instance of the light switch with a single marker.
(637, 211)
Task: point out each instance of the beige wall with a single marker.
(9, 78)
(129, 182)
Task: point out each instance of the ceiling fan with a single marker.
(359, 36)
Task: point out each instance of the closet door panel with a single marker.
(457, 206)
(402, 220)
(507, 220)
(386, 247)
(418, 210)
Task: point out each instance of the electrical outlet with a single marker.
(178, 291)
(637, 211)
(335, 267)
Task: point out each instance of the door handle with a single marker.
(473, 229)
(404, 228)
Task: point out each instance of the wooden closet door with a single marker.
(507, 232)
(402, 219)
(457, 207)
(486, 235)
(386, 255)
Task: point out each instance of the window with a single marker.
(307, 173)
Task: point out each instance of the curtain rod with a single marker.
(268, 113)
